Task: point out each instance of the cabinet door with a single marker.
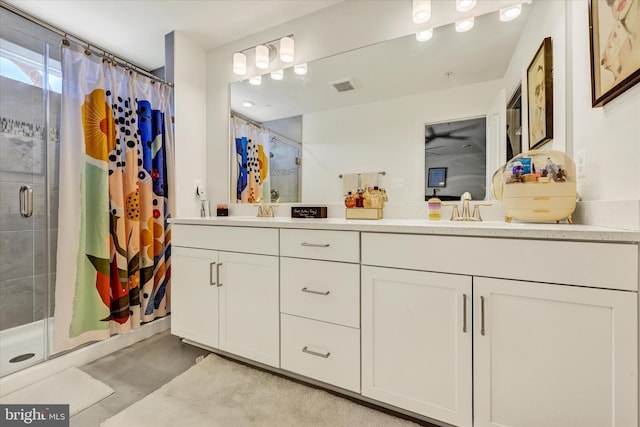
(551, 355)
(194, 295)
(416, 342)
(249, 309)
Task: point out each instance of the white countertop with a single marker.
(424, 226)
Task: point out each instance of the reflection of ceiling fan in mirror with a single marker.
(431, 134)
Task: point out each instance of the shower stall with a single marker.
(30, 84)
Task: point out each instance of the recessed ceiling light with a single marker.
(510, 13)
(248, 103)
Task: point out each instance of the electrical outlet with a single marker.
(581, 163)
(397, 183)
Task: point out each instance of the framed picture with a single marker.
(514, 124)
(614, 35)
(437, 177)
(540, 95)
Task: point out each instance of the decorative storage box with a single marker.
(363, 213)
(537, 186)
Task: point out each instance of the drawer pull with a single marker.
(541, 210)
(311, 291)
(218, 274)
(315, 353)
(315, 245)
(464, 313)
(482, 331)
(542, 198)
(211, 282)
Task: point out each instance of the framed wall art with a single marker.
(614, 35)
(540, 95)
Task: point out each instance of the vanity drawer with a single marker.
(232, 239)
(600, 265)
(323, 351)
(321, 290)
(329, 245)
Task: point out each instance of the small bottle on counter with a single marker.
(359, 198)
(435, 207)
(350, 200)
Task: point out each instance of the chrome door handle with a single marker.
(482, 316)
(315, 245)
(311, 291)
(211, 282)
(218, 274)
(26, 201)
(315, 353)
(464, 313)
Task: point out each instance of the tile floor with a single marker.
(135, 372)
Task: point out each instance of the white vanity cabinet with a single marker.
(319, 304)
(545, 352)
(556, 356)
(225, 289)
(416, 342)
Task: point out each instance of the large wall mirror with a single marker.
(366, 110)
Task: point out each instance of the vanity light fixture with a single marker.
(421, 11)
(510, 13)
(286, 49)
(262, 57)
(239, 64)
(248, 104)
(300, 69)
(465, 5)
(464, 25)
(277, 74)
(255, 80)
(423, 36)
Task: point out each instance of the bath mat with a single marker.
(219, 392)
(73, 387)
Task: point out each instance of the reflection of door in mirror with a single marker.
(459, 147)
(266, 159)
(514, 124)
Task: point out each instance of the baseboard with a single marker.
(81, 356)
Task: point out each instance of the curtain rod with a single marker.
(122, 62)
(247, 119)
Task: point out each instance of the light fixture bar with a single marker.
(421, 11)
(465, 5)
(286, 49)
(510, 13)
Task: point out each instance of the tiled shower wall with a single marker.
(23, 243)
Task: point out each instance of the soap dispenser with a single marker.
(435, 207)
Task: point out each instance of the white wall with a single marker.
(609, 135)
(190, 125)
(382, 136)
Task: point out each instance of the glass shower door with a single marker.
(29, 111)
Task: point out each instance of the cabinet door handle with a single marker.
(311, 291)
(482, 316)
(315, 353)
(315, 245)
(218, 274)
(464, 313)
(211, 282)
(26, 201)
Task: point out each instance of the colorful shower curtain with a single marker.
(251, 174)
(116, 162)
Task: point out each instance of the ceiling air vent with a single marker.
(344, 85)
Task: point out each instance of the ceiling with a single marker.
(135, 29)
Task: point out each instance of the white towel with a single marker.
(370, 179)
(349, 183)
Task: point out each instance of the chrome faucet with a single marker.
(466, 209)
(265, 209)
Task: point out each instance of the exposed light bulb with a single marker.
(300, 69)
(421, 11)
(277, 74)
(262, 57)
(465, 5)
(510, 13)
(464, 25)
(423, 36)
(239, 64)
(286, 49)
(248, 103)
(255, 80)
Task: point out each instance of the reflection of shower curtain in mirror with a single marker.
(251, 174)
